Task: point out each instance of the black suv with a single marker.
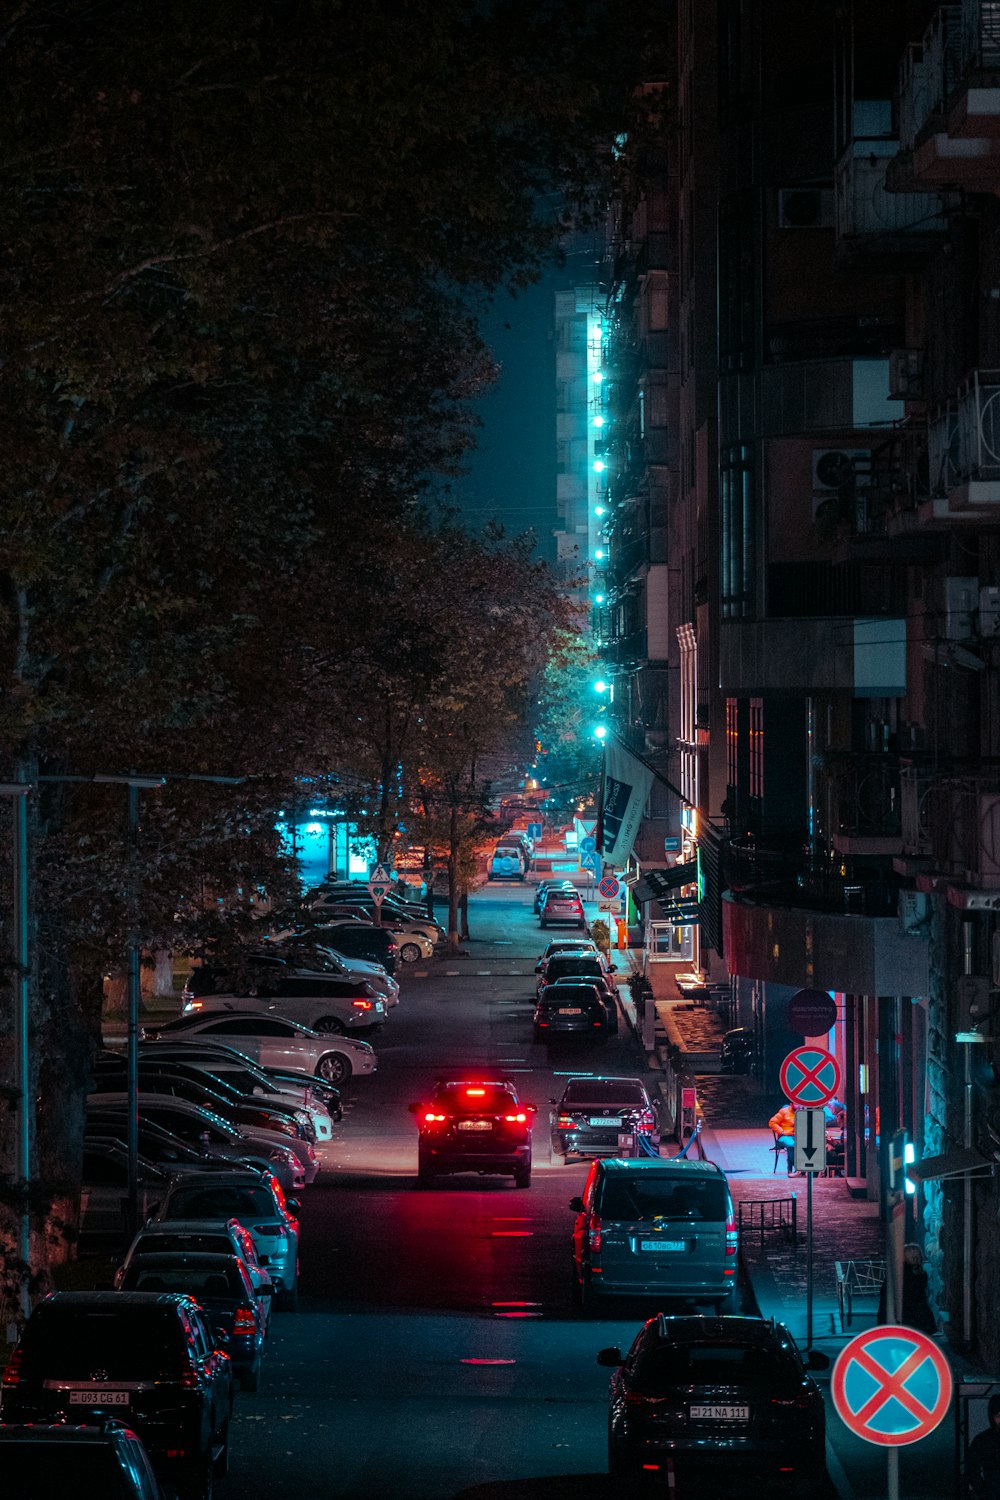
(474, 1125)
(359, 940)
(89, 1463)
(725, 1395)
(147, 1358)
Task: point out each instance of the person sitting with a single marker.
(783, 1125)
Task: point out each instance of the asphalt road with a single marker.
(436, 1351)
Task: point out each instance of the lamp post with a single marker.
(18, 791)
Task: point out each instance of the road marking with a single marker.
(487, 1361)
(512, 1234)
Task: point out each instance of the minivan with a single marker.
(654, 1228)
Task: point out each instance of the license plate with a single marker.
(98, 1398)
(475, 1124)
(570, 1010)
(662, 1245)
(720, 1413)
(603, 1120)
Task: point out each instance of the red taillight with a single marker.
(594, 1233)
(476, 1093)
(12, 1374)
(361, 1004)
(245, 1322)
(516, 1119)
(794, 1403)
(647, 1120)
(189, 1380)
(633, 1399)
(432, 1118)
(565, 1122)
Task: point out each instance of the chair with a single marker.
(776, 1150)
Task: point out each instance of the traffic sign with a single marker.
(810, 1076)
(609, 887)
(379, 882)
(607, 906)
(534, 832)
(588, 844)
(891, 1385)
(590, 861)
(812, 1012)
(810, 1140)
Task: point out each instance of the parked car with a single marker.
(544, 886)
(737, 1050)
(252, 1077)
(474, 1125)
(575, 945)
(302, 951)
(233, 1306)
(606, 992)
(240, 1086)
(562, 906)
(41, 1460)
(206, 1236)
(161, 1146)
(579, 964)
(104, 1189)
(256, 1199)
(731, 1394)
(328, 1003)
(507, 862)
(593, 1113)
(415, 939)
(359, 940)
(273, 1041)
(654, 1228)
(147, 1357)
(570, 1013)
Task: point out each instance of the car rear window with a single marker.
(220, 1202)
(37, 1471)
(131, 1343)
(713, 1363)
(157, 1244)
(461, 1101)
(571, 994)
(649, 1195)
(559, 968)
(588, 1092)
(196, 1281)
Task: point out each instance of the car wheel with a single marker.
(329, 1026)
(288, 1297)
(616, 1459)
(333, 1067)
(409, 953)
(522, 1176)
(425, 1173)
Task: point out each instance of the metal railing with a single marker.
(953, 819)
(856, 1278)
(762, 1216)
(928, 73)
(964, 434)
(865, 208)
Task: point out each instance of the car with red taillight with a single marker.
(474, 1125)
(148, 1358)
(655, 1227)
(729, 1398)
(570, 1013)
(593, 1114)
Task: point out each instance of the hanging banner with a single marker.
(625, 789)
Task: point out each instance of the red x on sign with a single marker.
(810, 1076)
(891, 1385)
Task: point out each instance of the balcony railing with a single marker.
(929, 73)
(859, 799)
(980, 36)
(865, 210)
(952, 818)
(964, 435)
(775, 878)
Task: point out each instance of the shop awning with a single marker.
(950, 1164)
(656, 885)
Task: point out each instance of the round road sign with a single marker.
(810, 1076)
(812, 1012)
(609, 887)
(891, 1385)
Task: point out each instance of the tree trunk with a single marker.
(464, 909)
(158, 981)
(454, 938)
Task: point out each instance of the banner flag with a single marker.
(624, 792)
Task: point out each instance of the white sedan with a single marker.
(271, 1040)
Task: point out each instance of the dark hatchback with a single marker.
(90, 1463)
(224, 1292)
(146, 1358)
(570, 1013)
(594, 1114)
(729, 1396)
(474, 1125)
(359, 940)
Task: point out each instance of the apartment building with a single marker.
(827, 230)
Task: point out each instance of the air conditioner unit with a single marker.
(840, 468)
(906, 374)
(914, 911)
(805, 208)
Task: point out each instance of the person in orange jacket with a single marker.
(783, 1125)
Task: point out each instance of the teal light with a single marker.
(598, 421)
(600, 731)
(598, 465)
(600, 686)
(598, 598)
(598, 510)
(598, 552)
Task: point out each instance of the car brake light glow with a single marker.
(244, 1322)
(565, 1122)
(475, 1093)
(516, 1119)
(12, 1374)
(361, 1004)
(732, 1237)
(430, 1117)
(594, 1233)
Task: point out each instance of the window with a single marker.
(250, 1026)
(737, 282)
(756, 747)
(737, 526)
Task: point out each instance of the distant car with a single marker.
(414, 939)
(544, 886)
(356, 939)
(606, 991)
(258, 1202)
(580, 963)
(474, 1125)
(328, 1003)
(233, 1306)
(593, 1113)
(149, 1358)
(570, 1013)
(653, 1227)
(208, 1236)
(562, 906)
(507, 862)
(733, 1395)
(42, 1460)
(737, 1049)
(273, 1042)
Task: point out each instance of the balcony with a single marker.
(861, 656)
(873, 222)
(949, 105)
(964, 452)
(858, 802)
(950, 823)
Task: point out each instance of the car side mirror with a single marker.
(576, 1204)
(538, 968)
(612, 1356)
(294, 1205)
(817, 1360)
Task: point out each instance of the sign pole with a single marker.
(809, 1261)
